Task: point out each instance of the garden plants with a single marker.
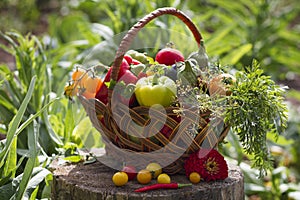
(39, 124)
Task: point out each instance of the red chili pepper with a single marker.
(162, 186)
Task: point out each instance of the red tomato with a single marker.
(130, 171)
(169, 56)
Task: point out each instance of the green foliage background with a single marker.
(68, 32)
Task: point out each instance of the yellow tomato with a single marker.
(195, 177)
(144, 176)
(163, 178)
(155, 169)
(120, 178)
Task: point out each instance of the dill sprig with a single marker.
(256, 108)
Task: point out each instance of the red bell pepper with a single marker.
(128, 58)
(131, 61)
(124, 75)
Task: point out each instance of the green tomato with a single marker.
(153, 90)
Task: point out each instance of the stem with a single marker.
(155, 80)
(180, 185)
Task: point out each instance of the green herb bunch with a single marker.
(256, 107)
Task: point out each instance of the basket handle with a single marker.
(127, 40)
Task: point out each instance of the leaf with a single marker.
(39, 174)
(254, 188)
(87, 134)
(234, 56)
(46, 193)
(15, 122)
(289, 57)
(68, 30)
(113, 17)
(33, 194)
(103, 31)
(6, 102)
(69, 123)
(219, 35)
(103, 52)
(32, 117)
(54, 136)
(280, 140)
(30, 164)
(7, 191)
(73, 159)
(6, 179)
(11, 160)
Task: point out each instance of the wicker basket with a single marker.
(169, 152)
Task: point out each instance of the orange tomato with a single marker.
(92, 84)
(88, 94)
(79, 76)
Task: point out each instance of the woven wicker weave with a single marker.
(107, 119)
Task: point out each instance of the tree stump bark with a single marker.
(93, 181)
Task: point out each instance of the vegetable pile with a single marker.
(249, 101)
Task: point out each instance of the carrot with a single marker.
(162, 186)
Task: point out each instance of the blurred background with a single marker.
(50, 36)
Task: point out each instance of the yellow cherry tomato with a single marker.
(144, 176)
(155, 169)
(120, 178)
(195, 177)
(163, 178)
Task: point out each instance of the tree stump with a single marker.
(93, 181)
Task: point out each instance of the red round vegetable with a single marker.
(130, 171)
(169, 56)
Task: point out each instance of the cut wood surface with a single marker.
(93, 181)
